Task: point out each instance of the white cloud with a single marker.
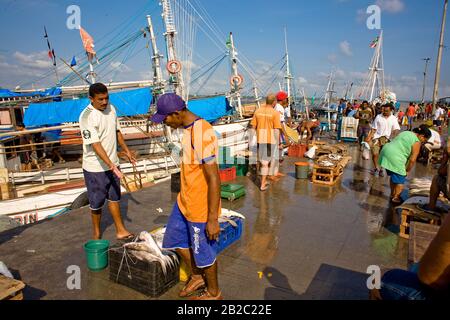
(302, 80)
(361, 16)
(358, 75)
(36, 60)
(345, 48)
(119, 66)
(391, 6)
(409, 79)
(332, 58)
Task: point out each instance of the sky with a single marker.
(323, 35)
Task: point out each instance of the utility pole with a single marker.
(439, 57)
(156, 62)
(236, 80)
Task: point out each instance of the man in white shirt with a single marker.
(100, 131)
(438, 115)
(281, 106)
(435, 142)
(384, 127)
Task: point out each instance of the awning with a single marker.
(127, 103)
(51, 92)
(210, 109)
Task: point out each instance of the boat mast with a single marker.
(376, 68)
(235, 87)
(427, 60)
(288, 75)
(439, 57)
(255, 92)
(157, 72)
(176, 79)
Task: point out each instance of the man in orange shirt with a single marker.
(266, 122)
(193, 226)
(411, 113)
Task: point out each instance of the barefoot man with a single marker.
(100, 131)
(266, 122)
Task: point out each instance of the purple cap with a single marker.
(167, 103)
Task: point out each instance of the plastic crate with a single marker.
(145, 277)
(232, 191)
(297, 150)
(228, 234)
(225, 156)
(228, 174)
(241, 165)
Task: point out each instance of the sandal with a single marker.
(192, 285)
(396, 200)
(205, 295)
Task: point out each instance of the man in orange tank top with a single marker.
(193, 226)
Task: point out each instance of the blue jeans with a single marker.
(403, 285)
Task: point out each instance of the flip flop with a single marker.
(396, 200)
(194, 285)
(264, 188)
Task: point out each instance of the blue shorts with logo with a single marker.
(183, 234)
(101, 186)
(396, 178)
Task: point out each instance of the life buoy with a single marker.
(237, 78)
(170, 68)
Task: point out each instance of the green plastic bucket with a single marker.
(301, 170)
(96, 254)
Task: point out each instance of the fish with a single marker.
(149, 250)
(229, 214)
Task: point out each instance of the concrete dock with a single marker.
(300, 240)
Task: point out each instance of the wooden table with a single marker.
(420, 237)
(10, 289)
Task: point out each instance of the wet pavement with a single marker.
(300, 240)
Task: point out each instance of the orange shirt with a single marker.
(199, 145)
(265, 121)
(411, 111)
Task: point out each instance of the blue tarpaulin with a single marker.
(55, 91)
(210, 109)
(127, 103)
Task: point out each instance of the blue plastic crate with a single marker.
(228, 234)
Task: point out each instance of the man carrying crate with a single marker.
(193, 226)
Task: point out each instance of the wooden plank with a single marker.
(9, 287)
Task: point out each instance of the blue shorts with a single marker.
(183, 234)
(101, 186)
(396, 178)
(403, 285)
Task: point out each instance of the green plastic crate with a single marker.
(242, 166)
(225, 157)
(232, 191)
